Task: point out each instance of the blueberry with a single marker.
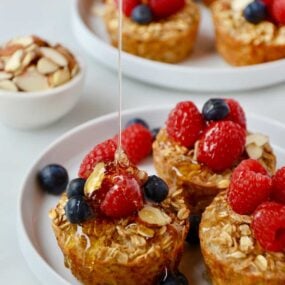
(77, 210)
(154, 133)
(255, 12)
(76, 187)
(142, 14)
(137, 121)
(53, 178)
(215, 109)
(193, 234)
(174, 279)
(155, 189)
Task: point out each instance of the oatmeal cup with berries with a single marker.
(115, 224)
(242, 232)
(249, 31)
(198, 151)
(156, 29)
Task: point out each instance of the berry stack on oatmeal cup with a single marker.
(117, 225)
(156, 29)
(242, 233)
(250, 31)
(198, 151)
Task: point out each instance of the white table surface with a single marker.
(18, 150)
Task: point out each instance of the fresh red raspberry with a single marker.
(185, 123)
(250, 165)
(269, 226)
(236, 114)
(221, 145)
(166, 8)
(278, 186)
(268, 2)
(136, 142)
(123, 199)
(104, 151)
(278, 11)
(128, 6)
(250, 186)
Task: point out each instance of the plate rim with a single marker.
(78, 23)
(26, 246)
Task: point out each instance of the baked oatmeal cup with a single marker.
(169, 37)
(246, 33)
(127, 240)
(243, 248)
(181, 167)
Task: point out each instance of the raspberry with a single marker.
(185, 123)
(269, 226)
(166, 8)
(104, 151)
(250, 186)
(128, 6)
(278, 186)
(136, 142)
(123, 198)
(250, 165)
(221, 145)
(236, 114)
(278, 11)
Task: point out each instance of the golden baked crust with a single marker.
(231, 253)
(170, 40)
(178, 166)
(122, 252)
(242, 43)
(208, 2)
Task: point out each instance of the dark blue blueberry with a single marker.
(193, 234)
(215, 109)
(76, 187)
(155, 189)
(142, 14)
(182, 279)
(154, 133)
(53, 178)
(255, 12)
(77, 210)
(174, 279)
(137, 121)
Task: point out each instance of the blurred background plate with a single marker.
(37, 241)
(205, 70)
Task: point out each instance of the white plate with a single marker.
(36, 238)
(205, 70)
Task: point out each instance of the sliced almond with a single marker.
(68, 55)
(5, 75)
(74, 70)
(8, 85)
(29, 57)
(39, 41)
(54, 55)
(46, 66)
(23, 41)
(257, 139)
(95, 180)
(14, 63)
(33, 47)
(254, 151)
(59, 77)
(9, 50)
(31, 80)
(154, 216)
(240, 5)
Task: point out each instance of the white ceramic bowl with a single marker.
(31, 110)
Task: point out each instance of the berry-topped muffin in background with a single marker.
(198, 151)
(250, 31)
(161, 30)
(117, 225)
(242, 233)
